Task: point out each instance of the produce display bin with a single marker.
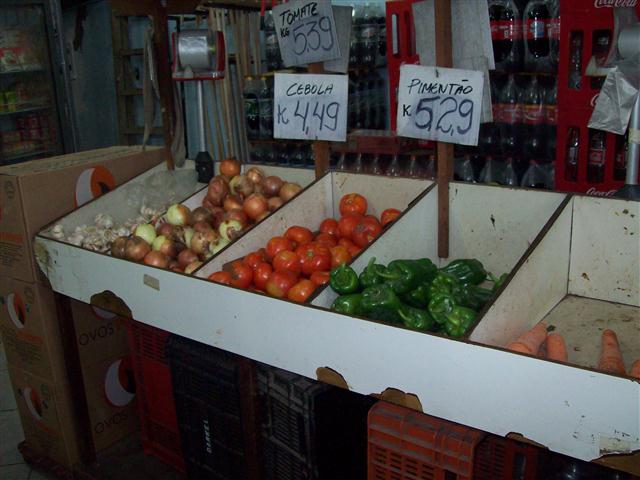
(158, 422)
(404, 445)
(311, 430)
(215, 399)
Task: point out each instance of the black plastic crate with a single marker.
(215, 397)
(310, 430)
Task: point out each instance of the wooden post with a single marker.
(320, 147)
(444, 150)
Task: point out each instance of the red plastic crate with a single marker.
(407, 445)
(160, 434)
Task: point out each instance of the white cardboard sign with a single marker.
(306, 32)
(441, 104)
(310, 107)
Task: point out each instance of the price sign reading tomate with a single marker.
(306, 32)
(442, 104)
(310, 107)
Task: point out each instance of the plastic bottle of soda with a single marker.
(272, 50)
(368, 36)
(506, 34)
(358, 164)
(382, 35)
(381, 101)
(597, 154)
(351, 102)
(394, 169)
(535, 19)
(551, 118)
(572, 151)
(600, 50)
(367, 108)
(553, 33)
(575, 60)
(533, 119)
(508, 175)
(342, 165)
(265, 100)
(355, 48)
(252, 107)
(375, 168)
(510, 118)
(620, 164)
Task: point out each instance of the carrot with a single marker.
(635, 369)
(556, 348)
(610, 356)
(530, 341)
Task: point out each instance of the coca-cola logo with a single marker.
(614, 3)
(594, 100)
(599, 193)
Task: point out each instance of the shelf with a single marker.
(24, 110)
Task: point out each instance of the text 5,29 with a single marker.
(441, 114)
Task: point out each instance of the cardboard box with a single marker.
(30, 329)
(34, 194)
(47, 415)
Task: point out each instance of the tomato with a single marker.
(280, 283)
(298, 235)
(389, 215)
(354, 250)
(301, 291)
(347, 223)
(277, 244)
(326, 240)
(221, 277)
(255, 258)
(286, 260)
(353, 203)
(345, 242)
(241, 274)
(314, 257)
(320, 278)
(330, 226)
(261, 274)
(367, 229)
(339, 255)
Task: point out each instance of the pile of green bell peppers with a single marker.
(415, 293)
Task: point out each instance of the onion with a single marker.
(156, 259)
(189, 269)
(275, 203)
(254, 205)
(201, 241)
(259, 188)
(219, 245)
(164, 229)
(187, 236)
(178, 215)
(255, 174)
(173, 264)
(202, 226)
(241, 185)
(146, 232)
(165, 245)
(201, 214)
(262, 216)
(230, 167)
(185, 257)
(218, 216)
(230, 229)
(206, 203)
(232, 202)
(237, 214)
(272, 186)
(289, 190)
(136, 249)
(218, 189)
(118, 247)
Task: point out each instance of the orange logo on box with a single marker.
(92, 183)
(33, 402)
(101, 314)
(119, 383)
(17, 309)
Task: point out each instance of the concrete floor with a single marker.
(12, 466)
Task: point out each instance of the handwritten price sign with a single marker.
(310, 107)
(306, 32)
(442, 104)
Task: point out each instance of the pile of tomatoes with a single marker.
(294, 265)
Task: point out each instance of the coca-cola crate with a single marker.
(311, 430)
(406, 445)
(158, 423)
(215, 399)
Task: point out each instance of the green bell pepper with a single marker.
(381, 303)
(416, 318)
(418, 297)
(467, 271)
(498, 281)
(471, 296)
(459, 319)
(344, 280)
(443, 283)
(370, 276)
(440, 305)
(406, 275)
(348, 304)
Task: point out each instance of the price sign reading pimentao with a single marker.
(442, 104)
(306, 32)
(310, 107)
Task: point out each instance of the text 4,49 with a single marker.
(450, 116)
(310, 114)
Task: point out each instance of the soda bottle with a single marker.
(375, 168)
(535, 176)
(534, 116)
(432, 167)
(600, 50)
(251, 108)
(361, 102)
(508, 175)
(368, 36)
(553, 33)
(463, 169)
(272, 49)
(394, 169)
(342, 165)
(597, 154)
(491, 172)
(506, 34)
(551, 118)
(575, 60)
(572, 151)
(381, 103)
(382, 35)
(358, 166)
(355, 54)
(535, 19)
(414, 170)
(489, 139)
(265, 100)
(366, 107)
(351, 108)
(620, 163)
(510, 118)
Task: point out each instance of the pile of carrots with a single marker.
(539, 342)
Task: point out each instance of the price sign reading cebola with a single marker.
(310, 106)
(441, 104)
(306, 31)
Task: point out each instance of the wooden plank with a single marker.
(444, 150)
